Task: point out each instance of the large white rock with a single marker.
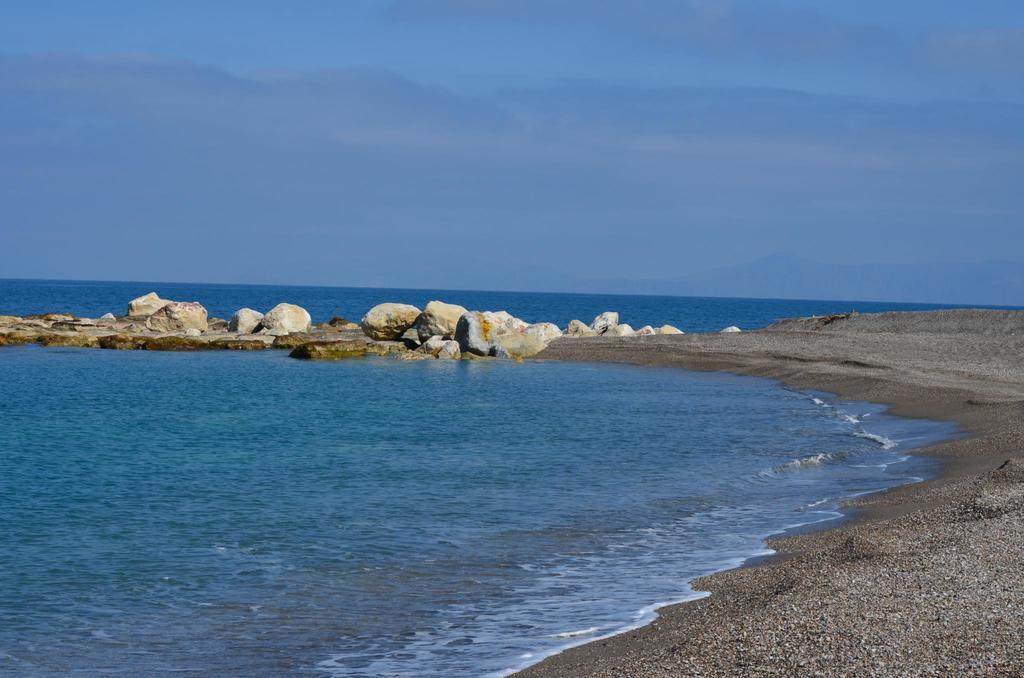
(178, 315)
(474, 334)
(478, 331)
(438, 319)
(605, 322)
(730, 330)
(388, 322)
(669, 329)
(623, 330)
(518, 346)
(546, 331)
(577, 328)
(244, 321)
(146, 305)
(285, 319)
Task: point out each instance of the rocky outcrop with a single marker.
(388, 322)
(178, 315)
(578, 328)
(245, 321)
(146, 305)
(330, 350)
(546, 331)
(70, 340)
(605, 322)
(285, 319)
(731, 329)
(623, 330)
(669, 329)
(438, 319)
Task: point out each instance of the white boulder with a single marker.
(146, 305)
(438, 318)
(731, 329)
(645, 331)
(605, 322)
(519, 346)
(623, 330)
(178, 315)
(577, 328)
(546, 331)
(388, 322)
(244, 321)
(669, 329)
(285, 319)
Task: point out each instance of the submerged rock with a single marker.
(146, 305)
(578, 328)
(731, 329)
(438, 318)
(330, 350)
(121, 342)
(605, 322)
(71, 340)
(244, 321)
(178, 315)
(239, 344)
(285, 319)
(174, 343)
(388, 322)
(290, 341)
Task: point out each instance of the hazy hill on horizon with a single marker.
(783, 276)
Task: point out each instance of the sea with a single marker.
(243, 513)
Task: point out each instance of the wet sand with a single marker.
(926, 579)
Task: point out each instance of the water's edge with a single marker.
(843, 514)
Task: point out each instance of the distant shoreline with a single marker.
(848, 599)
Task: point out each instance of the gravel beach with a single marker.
(926, 579)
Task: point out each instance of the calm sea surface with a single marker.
(248, 514)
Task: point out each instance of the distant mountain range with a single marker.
(998, 283)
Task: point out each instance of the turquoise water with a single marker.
(249, 514)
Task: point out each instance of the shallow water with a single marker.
(237, 513)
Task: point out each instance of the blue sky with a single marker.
(456, 142)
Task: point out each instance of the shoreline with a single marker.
(734, 628)
(846, 514)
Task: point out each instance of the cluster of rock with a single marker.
(438, 331)
(452, 331)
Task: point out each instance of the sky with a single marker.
(469, 143)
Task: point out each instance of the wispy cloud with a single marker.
(373, 167)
